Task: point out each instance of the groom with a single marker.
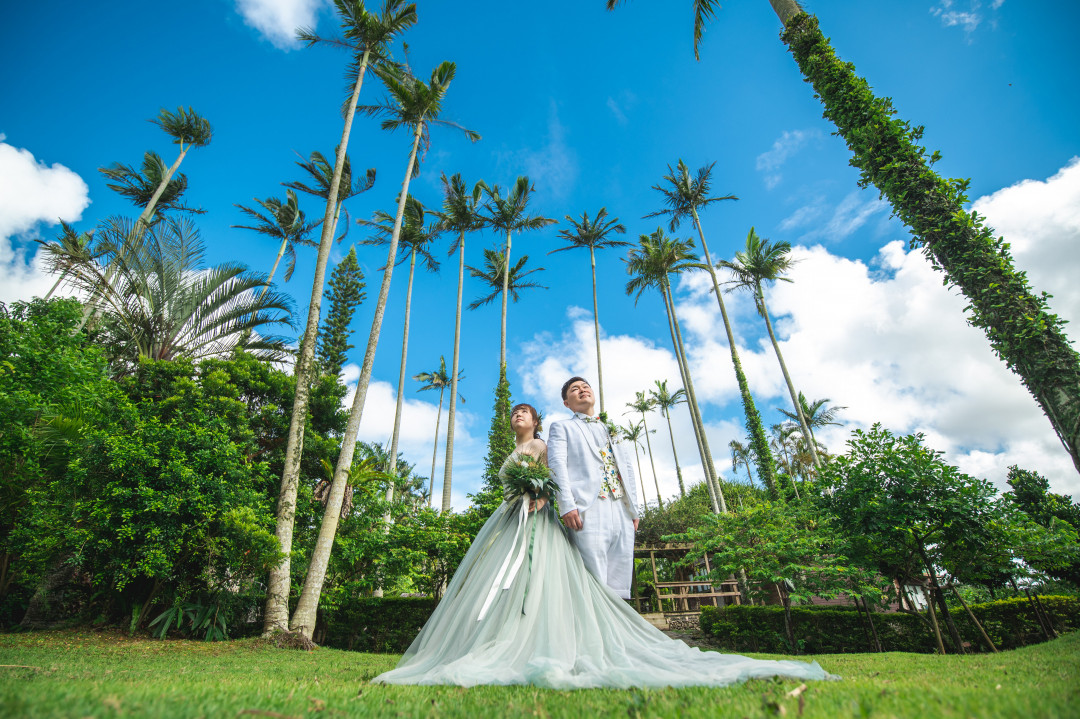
(596, 494)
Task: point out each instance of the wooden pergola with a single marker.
(689, 595)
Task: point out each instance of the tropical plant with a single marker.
(321, 172)
(345, 292)
(440, 380)
(817, 413)
(70, 247)
(684, 197)
(508, 214)
(283, 221)
(763, 261)
(665, 400)
(159, 301)
(742, 455)
(645, 404)
(495, 276)
(139, 185)
(414, 104)
(367, 37)
(633, 432)
(459, 214)
(594, 235)
(649, 264)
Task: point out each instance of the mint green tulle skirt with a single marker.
(522, 609)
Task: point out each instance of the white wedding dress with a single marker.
(552, 624)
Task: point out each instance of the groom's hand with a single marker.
(572, 520)
(636, 523)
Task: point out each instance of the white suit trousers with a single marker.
(606, 543)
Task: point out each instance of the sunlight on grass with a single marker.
(77, 674)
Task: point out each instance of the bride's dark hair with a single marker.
(535, 416)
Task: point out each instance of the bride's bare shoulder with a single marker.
(535, 447)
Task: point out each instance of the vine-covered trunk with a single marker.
(448, 456)
(303, 619)
(1018, 323)
(276, 614)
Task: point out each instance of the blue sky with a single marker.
(593, 106)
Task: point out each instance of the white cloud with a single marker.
(853, 212)
(969, 19)
(783, 148)
(553, 168)
(417, 434)
(620, 116)
(278, 20)
(32, 194)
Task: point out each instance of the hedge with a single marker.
(1010, 623)
(370, 624)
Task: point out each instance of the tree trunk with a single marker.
(674, 453)
(56, 284)
(940, 596)
(791, 387)
(1046, 617)
(753, 420)
(451, 414)
(641, 477)
(870, 619)
(303, 619)
(276, 615)
(712, 474)
(596, 329)
(934, 623)
(785, 9)
(401, 378)
(435, 445)
(648, 444)
(974, 621)
(505, 290)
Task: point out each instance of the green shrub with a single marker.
(1010, 623)
(370, 624)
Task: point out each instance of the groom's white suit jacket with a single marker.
(576, 465)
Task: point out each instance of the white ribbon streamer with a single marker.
(519, 532)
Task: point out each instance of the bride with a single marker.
(522, 609)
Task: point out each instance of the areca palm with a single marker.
(440, 380)
(139, 185)
(460, 214)
(594, 235)
(665, 401)
(68, 249)
(644, 404)
(159, 301)
(759, 262)
(367, 38)
(415, 237)
(283, 221)
(742, 455)
(649, 264)
(321, 172)
(495, 275)
(685, 196)
(508, 214)
(632, 432)
(817, 413)
(412, 104)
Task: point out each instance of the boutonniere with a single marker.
(612, 429)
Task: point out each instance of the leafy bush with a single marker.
(1010, 623)
(370, 624)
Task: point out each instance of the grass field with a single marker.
(85, 674)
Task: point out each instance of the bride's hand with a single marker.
(535, 505)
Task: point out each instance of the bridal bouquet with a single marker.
(528, 475)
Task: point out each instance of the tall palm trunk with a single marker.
(753, 419)
(641, 477)
(448, 471)
(56, 284)
(401, 380)
(659, 499)
(678, 470)
(692, 395)
(303, 619)
(505, 290)
(787, 378)
(435, 445)
(276, 615)
(596, 329)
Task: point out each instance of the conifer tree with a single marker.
(345, 293)
(501, 442)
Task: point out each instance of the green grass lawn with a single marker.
(83, 674)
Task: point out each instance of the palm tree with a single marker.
(665, 401)
(649, 265)
(594, 236)
(742, 455)
(460, 214)
(763, 261)
(496, 277)
(684, 198)
(507, 214)
(414, 240)
(817, 413)
(188, 130)
(162, 303)
(414, 104)
(632, 433)
(643, 404)
(367, 37)
(69, 248)
(283, 221)
(321, 173)
(440, 380)
(139, 186)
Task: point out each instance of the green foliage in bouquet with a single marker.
(528, 475)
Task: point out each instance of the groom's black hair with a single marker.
(572, 380)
